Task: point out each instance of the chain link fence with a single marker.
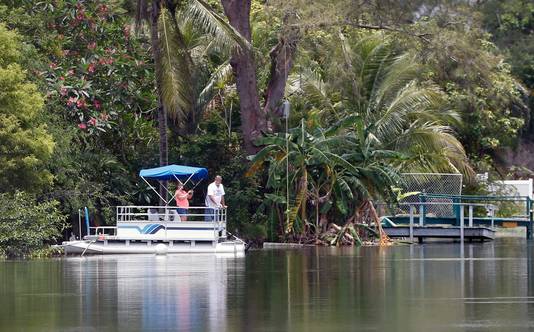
(431, 183)
(442, 190)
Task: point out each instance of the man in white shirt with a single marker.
(214, 197)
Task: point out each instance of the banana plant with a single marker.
(325, 170)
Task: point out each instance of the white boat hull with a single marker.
(123, 247)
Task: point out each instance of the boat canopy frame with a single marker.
(195, 175)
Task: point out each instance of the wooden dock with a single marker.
(477, 223)
(444, 231)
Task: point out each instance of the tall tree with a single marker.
(297, 17)
(368, 121)
(174, 67)
(253, 120)
(24, 142)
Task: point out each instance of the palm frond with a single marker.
(220, 75)
(375, 71)
(177, 87)
(212, 23)
(348, 62)
(300, 202)
(434, 147)
(390, 120)
(311, 84)
(402, 70)
(194, 40)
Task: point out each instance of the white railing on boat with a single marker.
(134, 213)
(166, 222)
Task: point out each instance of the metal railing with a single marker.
(133, 213)
(103, 230)
(517, 207)
(166, 216)
(421, 206)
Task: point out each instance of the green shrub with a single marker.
(26, 225)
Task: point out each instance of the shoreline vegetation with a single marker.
(310, 112)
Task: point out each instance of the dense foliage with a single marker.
(92, 91)
(25, 144)
(27, 225)
(371, 118)
(97, 80)
(479, 86)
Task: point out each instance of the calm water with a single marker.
(419, 288)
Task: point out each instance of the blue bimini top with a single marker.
(172, 172)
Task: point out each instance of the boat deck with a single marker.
(152, 247)
(160, 230)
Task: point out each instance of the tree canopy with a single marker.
(92, 91)
(25, 144)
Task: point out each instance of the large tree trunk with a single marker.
(162, 112)
(281, 63)
(253, 121)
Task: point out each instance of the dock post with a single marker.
(456, 209)
(421, 215)
(492, 217)
(80, 235)
(470, 215)
(87, 222)
(422, 199)
(461, 223)
(412, 208)
(529, 213)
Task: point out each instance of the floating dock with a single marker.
(445, 231)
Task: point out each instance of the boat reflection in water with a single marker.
(174, 292)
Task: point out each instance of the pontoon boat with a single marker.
(160, 229)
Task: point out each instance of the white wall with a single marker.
(517, 187)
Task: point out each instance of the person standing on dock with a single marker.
(214, 198)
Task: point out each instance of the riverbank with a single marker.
(500, 232)
(57, 251)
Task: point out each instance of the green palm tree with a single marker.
(178, 29)
(368, 120)
(383, 87)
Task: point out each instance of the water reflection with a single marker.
(441, 286)
(186, 293)
(429, 287)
